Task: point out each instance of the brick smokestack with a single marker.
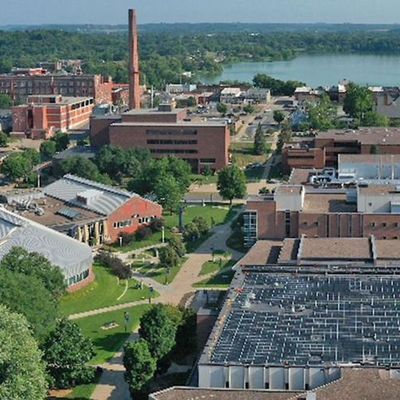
(134, 77)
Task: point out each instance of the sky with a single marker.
(32, 12)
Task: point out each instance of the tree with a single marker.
(202, 225)
(4, 139)
(358, 101)
(61, 140)
(222, 108)
(260, 144)
(277, 86)
(321, 115)
(5, 101)
(231, 183)
(191, 231)
(22, 372)
(82, 167)
(176, 242)
(168, 192)
(66, 353)
(169, 257)
(372, 118)
(140, 365)
(26, 295)
(48, 149)
(16, 166)
(157, 328)
(32, 155)
(249, 109)
(34, 264)
(278, 116)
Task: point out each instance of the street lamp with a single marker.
(120, 241)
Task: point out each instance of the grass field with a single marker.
(210, 267)
(214, 214)
(243, 154)
(157, 273)
(107, 342)
(221, 281)
(105, 291)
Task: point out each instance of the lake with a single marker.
(321, 70)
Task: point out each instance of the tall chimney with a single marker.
(134, 78)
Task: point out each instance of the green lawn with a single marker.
(215, 266)
(211, 213)
(221, 281)
(107, 342)
(215, 213)
(243, 154)
(84, 392)
(105, 291)
(204, 180)
(158, 273)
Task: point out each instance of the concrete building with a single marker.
(231, 95)
(44, 115)
(300, 327)
(257, 95)
(88, 211)
(72, 257)
(323, 150)
(180, 88)
(165, 133)
(23, 83)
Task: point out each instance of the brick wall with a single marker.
(133, 210)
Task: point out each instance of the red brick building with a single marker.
(295, 210)
(26, 82)
(323, 150)
(44, 115)
(165, 132)
(94, 213)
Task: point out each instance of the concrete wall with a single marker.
(260, 377)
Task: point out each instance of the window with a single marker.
(122, 224)
(384, 224)
(207, 160)
(183, 132)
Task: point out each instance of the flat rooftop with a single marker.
(317, 319)
(327, 202)
(369, 158)
(153, 111)
(183, 124)
(336, 248)
(367, 136)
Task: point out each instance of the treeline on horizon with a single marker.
(166, 55)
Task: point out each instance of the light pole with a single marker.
(162, 234)
(120, 241)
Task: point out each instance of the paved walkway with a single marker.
(112, 385)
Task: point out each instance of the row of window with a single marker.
(183, 132)
(155, 141)
(128, 222)
(173, 151)
(77, 278)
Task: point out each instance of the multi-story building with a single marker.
(297, 210)
(164, 132)
(323, 150)
(44, 115)
(22, 83)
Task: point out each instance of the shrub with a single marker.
(202, 225)
(120, 269)
(127, 238)
(143, 233)
(157, 224)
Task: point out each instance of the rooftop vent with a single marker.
(88, 196)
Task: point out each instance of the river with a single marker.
(321, 70)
